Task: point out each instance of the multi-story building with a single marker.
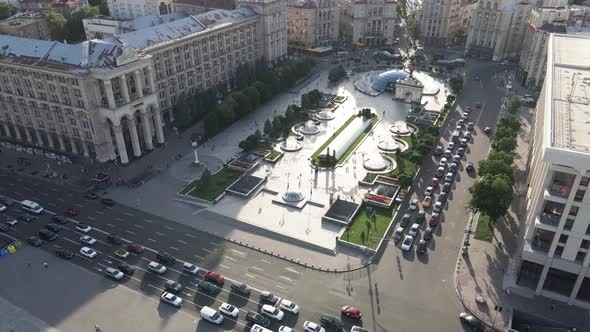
(435, 19)
(29, 25)
(193, 7)
(127, 9)
(553, 258)
(367, 22)
(110, 98)
(312, 23)
(105, 26)
(460, 22)
(497, 29)
(65, 7)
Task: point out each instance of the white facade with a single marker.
(367, 22)
(409, 90)
(312, 23)
(554, 259)
(126, 9)
(105, 26)
(272, 26)
(435, 20)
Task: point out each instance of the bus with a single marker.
(31, 206)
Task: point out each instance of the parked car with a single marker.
(240, 288)
(88, 252)
(173, 286)
(405, 220)
(470, 126)
(4, 228)
(312, 327)
(351, 312)
(471, 321)
(438, 150)
(190, 268)
(46, 234)
(443, 162)
(91, 195)
(413, 205)
(487, 130)
(156, 267)
(87, 240)
(440, 171)
(171, 299)
(331, 322)
(434, 220)
(114, 238)
(435, 182)
(35, 241)
(420, 217)
(451, 146)
(122, 253)
(207, 287)
(228, 309)
(464, 142)
(71, 212)
(446, 188)
(449, 177)
(413, 232)
(215, 278)
(59, 219)
(461, 152)
(126, 268)
(407, 243)
(165, 258)
(470, 167)
(26, 217)
(453, 168)
(426, 201)
(83, 228)
(421, 247)
(64, 253)
(55, 228)
(398, 234)
(269, 297)
(113, 273)
(108, 202)
(272, 312)
(428, 191)
(442, 198)
(427, 236)
(135, 248)
(289, 306)
(256, 318)
(211, 315)
(448, 153)
(437, 207)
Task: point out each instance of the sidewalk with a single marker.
(481, 273)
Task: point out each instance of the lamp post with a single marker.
(195, 146)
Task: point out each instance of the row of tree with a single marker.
(280, 124)
(311, 100)
(219, 108)
(493, 193)
(422, 143)
(72, 29)
(337, 74)
(6, 10)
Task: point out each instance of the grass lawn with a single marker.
(404, 165)
(219, 182)
(483, 231)
(374, 120)
(273, 154)
(340, 99)
(358, 227)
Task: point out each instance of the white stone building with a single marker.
(312, 23)
(553, 259)
(435, 19)
(127, 9)
(367, 22)
(409, 90)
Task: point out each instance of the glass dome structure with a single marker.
(293, 196)
(391, 76)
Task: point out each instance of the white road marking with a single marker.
(199, 257)
(225, 267)
(148, 221)
(78, 205)
(209, 251)
(169, 228)
(279, 286)
(118, 219)
(181, 241)
(130, 232)
(215, 244)
(238, 252)
(99, 212)
(160, 234)
(128, 214)
(111, 225)
(257, 268)
(265, 261)
(53, 189)
(174, 248)
(60, 199)
(74, 242)
(149, 239)
(89, 217)
(141, 227)
(187, 234)
(290, 269)
(51, 204)
(231, 259)
(44, 194)
(250, 276)
(285, 278)
(155, 287)
(187, 294)
(20, 194)
(27, 189)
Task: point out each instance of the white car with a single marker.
(212, 315)
(413, 205)
(83, 228)
(190, 268)
(3, 208)
(443, 162)
(229, 309)
(114, 273)
(286, 329)
(88, 252)
(272, 312)
(87, 239)
(171, 299)
(407, 243)
(414, 230)
(437, 207)
(289, 306)
(312, 327)
(428, 191)
(258, 328)
(451, 146)
(156, 267)
(11, 221)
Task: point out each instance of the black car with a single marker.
(166, 258)
(64, 253)
(4, 228)
(60, 219)
(240, 288)
(91, 195)
(427, 236)
(256, 318)
(173, 286)
(208, 287)
(53, 227)
(405, 220)
(420, 217)
(47, 235)
(35, 241)
(107, 201)
(26, 217)
(126, 269)
(114, 238)
(421, 247)
(331, 322)
(442, 197)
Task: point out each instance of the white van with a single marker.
(212, 315)
(258, 328)
(31, 206)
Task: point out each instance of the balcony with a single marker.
(550, 219)
(561, 184)
(551, 213)
(560, 190)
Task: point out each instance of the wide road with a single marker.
(401, 292)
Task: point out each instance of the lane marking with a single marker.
(78, 205)
(187, 234)
(51, 204)
(27, 189)
(257, 268)
(238, 252)
(128, 214)
(148, 221)
(285, 278)
(231, 259)
(225, 267)
(174, 248)
(209, 251)
(181, 241)
(265, 261)
(150, 239)
(130, 232)
(111, 225)
(118, 219)
(169, 228)
(44, 194)
(250, 276)
(199, 257)
(215, 244)
(60, 199)
(141, 227)
(160, 234)
(89, 217)
(279, 286)
(99, 212)
(290, 269)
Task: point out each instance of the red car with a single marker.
(135, 248)
(351, 312)
(214, 277)
(434, 220)
(435, 182)
(71, 212)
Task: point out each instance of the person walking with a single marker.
(97, 328)
(45, 264)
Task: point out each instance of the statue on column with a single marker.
(195, 145)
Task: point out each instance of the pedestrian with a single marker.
(97, 328)
(29, 264)
(45, 264)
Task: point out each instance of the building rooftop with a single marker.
(217, 4)
(143, 22)
(24, 18)
(309, 4)
(568, 92)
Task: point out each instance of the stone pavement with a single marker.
(482, 272)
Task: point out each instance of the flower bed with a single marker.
(240, 165)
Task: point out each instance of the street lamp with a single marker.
(195, 146)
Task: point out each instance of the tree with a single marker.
(211, 124)
(102, 6)
(276, 124)
(336, 74)
(205, 178)
(505, 157)
(289, 115)
(411, 25)
(506, 144)
(6, 10)
(405, 180)
(227, 113)
(510, 121)
(258, 134)
(493, 167)
(456, 83)
(57, 25)
(75, 26)
(513, 105)
(492, 195)
(267, 127)
(263, 91)
(253, 95)
(243, 105)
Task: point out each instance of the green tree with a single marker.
(253, 95)
(75, 26)
(57, 25)
(267, 127)
(502, 132)
(405, 180)
(506, 144)
(243, 105)
(205, 178)
(493, 167)
(505, 157)
(258, 134)
(263, 90)
(6, 10)
(277, 125)
(102, 6)
(227, 112)
(510, 121)
(212, 124)
(336, 74)
(513, 105)
(456, 83)
(412, 25)
(492, 195)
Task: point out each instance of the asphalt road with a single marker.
(402, 292)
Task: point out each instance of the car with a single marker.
(421, 247)
(211, 315)
(438, 150)
(26, 217)
(122, 253)
(470, 167)
(207, 287)
(477, 104)
(282, 328)
(434, 220)
(229, 309)
(448, 153)
(3, 207)
(88, 252)
(358, 329)
(407, 243)
(471, 321)
(256, 318)
(87, 240)
(113, 273)
(420, 217)
(59, 219)
(442, 162)
(215, 278)
(190, 268)
(126, 268)
(435, 182)
(83, 228)
(509, 86)
(428, 191)
(269, 297)
(470, 126)
(107, 202)
(438, 206)
(465, 115)
(446, 188)
(351, 312)
(64, 253)
(55, 228)
(451, 146)
(166, 258)
(442, 198)
(427, 236)
(405, 220)
(172, 299)
(467, 109)
(135, 248)
(439, 172)
(289, 306)
(10, 221)
(464, 142)
(156, 267)
(35, 241)
(331, 322)
(453, 168)
(461, 152)
(312, 327)
(487, 130)
(46, 234)
(457, 159)
(468, 136)
(413, 205)
(6, 201)
(4, 228)
(91, 195)
(172, 286)
(240, 288)
(272, 312)
(397, 235)
(114, 238)
(71, 212)
(449, 177)
(414, 230)
(426, 201)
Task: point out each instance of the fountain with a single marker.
(309, 128)
(403, 128)
(293, 196)
(325, 115)
(376, 163)
(291, 145)
(391, 145)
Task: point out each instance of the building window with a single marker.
(580, 256)
(584, 181)
(558, 251)
(569, 223)
(563, 238)
(580, 195)
(585, 244)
